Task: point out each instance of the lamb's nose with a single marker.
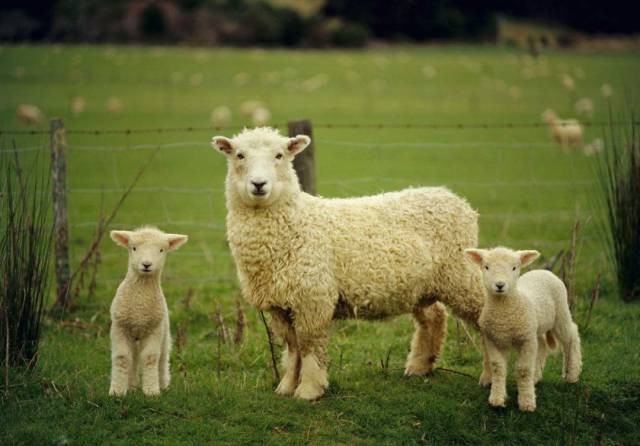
(500, 285)
(259, 184)
(146, 265)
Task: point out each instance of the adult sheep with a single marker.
(308, 260)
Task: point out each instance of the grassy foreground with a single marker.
(526, 191)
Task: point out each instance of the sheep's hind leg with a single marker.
(313, 367)
(164, 372)
(281, 323)
(428, 340)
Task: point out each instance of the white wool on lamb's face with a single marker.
(501, 267)
(260, 163)
(148, 248)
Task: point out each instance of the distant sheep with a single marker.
(308, 260)
(140, 334)
(566, 132)
(114, 105)
(221, 116)
(528, 312)
(29, 114)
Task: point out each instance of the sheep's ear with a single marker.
(475, 254)
(528, 257)
(176, 240)
(297, 144)
(222, 144)
(122, 238)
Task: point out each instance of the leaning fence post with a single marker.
(304, 163)
(60, 221)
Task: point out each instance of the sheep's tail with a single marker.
(552, 343)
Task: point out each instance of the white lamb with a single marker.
(308, 260)
(29, 114)
(566, 132)
(528, 313)
(140, 336)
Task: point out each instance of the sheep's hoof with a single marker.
(527, 406)
(497, 401)
(151, 391)
(485, 380)
(421, 369)
(309, 392)
(286, 387)
(571, 377)
(117, 392)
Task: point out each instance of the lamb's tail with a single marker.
(552, 342)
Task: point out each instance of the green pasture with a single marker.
(527, 192)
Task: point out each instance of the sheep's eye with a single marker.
(486, 267)
(161, 249)
(240, 156)
(134, 248)
(514, 268)
(279, 156)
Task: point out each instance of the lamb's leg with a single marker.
(313, 368)
(485, 376)
(428, 340)
(525, 370)
(134, 370)
(150, 349)
(541, 359)
(498, 364)
(567, 333)
(282, 326)
(164, 373)
(121, 361)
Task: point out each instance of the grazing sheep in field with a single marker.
(114, 105)
(529, 313)
(78, 105)
(140, 335)
(221, 116)
(308, 260)
(29, 114)
(566, 132)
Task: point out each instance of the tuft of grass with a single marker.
(618, 171)
(26, 234)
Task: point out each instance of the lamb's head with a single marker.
(549, 116)
(260, 164)
(148, 248)
(501, 267)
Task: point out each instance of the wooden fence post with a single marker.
(304, 163)
(60, 221)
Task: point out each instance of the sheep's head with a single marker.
(148, 248)
(549, 116)
(260, 164)
(501, 267)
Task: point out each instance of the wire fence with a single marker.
(170, 210)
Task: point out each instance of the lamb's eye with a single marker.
(240, 156)
(514, 268)
(486, 267)
(279, 156)
(161, 249)
(134, 248)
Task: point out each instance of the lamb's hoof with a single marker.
(418, 369)
(497, 401)
(527, 406)
(151, 391)
(286, 387)
(309, 392)
(117, 392)
(571, 377)
(485, 380)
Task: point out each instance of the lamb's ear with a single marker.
(176, 240)
(528, 257)
(475, 254)
(122, 238)
(297, 144)
(222, 144)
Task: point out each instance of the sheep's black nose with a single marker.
(500, 285)
(146, 265)
(259, 184)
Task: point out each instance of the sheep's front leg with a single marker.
(428, 339)
(150, 349)
(525, 369)
(498, 364)
(281, 323)
(121, 361)
(134, 370)
(313, 367)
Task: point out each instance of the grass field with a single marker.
(526, 191)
